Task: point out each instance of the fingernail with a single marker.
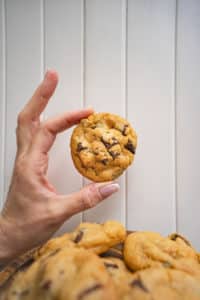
(89, 107)
(49, 73)
(108, 189)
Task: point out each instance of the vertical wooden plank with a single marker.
(103, 86)
(151, 197)
(23, 66)
(63, 48)
(188, 118)
(2, 97)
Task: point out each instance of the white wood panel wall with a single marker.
(63, 52)
(136, 58)
(188, 118)
(150, 92)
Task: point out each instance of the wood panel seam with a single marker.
(124, 90)
(83, 65)
(42, 43)
(175, 120)
(4, 87)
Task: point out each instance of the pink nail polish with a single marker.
(108, 189)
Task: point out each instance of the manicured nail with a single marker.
(89, 107)
(50, 74)
(108, 189)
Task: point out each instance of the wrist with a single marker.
(6, 248)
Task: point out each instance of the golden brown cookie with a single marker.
(54, 244)
(19, 264)
(164, 284)
(96, 237)
(99, 237)
(73, 274)
(103, 146)
(147, 249)
(121, 276)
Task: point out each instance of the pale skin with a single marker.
(33, 209)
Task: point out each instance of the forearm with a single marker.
(9, 246)
(6, 247)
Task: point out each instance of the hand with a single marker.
(34, 210)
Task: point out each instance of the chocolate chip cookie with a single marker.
(147, 249)
(103, 146)
(121, 276)
(104, 261)
(99, 237)
(96, 237)
(164, 284)
(73, 274)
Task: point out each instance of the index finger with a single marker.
(41, 96)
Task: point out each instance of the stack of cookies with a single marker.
(104, 261)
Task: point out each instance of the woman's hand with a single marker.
(33, 210)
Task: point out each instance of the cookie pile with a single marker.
(104, 261)
(103, 146)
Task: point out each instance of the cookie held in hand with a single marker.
(103, 146)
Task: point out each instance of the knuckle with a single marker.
(51, 214)
(21, 165)
(91, 196)
(45, 131)
(21, 118)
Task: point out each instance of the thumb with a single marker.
(87, 197)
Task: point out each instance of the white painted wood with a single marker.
(150, 110)
(136, 63)
(2, 97)
(23, 65)
(103, 89)
(63, 52)
(188, 119)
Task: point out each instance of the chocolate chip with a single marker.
(166, 264)
(80, 147)
(114, 154)
(79, 237)
(109, 145)
(104, 161)
(129, 146)
(112, 253)
(24, 292)
(124, 129)
(174, 237)
(114, 141)
(89, 290)
(54, 252)
(15, 293)
(130, 231)
(110, 265)
(106, 144)
(138, 283)
(47, 284)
